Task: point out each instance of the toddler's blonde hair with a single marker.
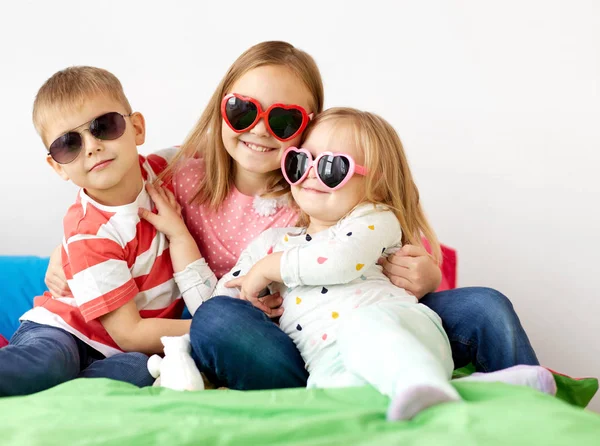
(389, 180)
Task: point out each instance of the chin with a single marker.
(256, 166)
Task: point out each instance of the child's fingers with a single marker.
(273, 300)
(412, 251)
(148, 216)
(261, 306)
(235, 282)
(275, 312)
(169, 195)
(155, 195)
(163, 195)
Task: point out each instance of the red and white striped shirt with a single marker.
(110, 257)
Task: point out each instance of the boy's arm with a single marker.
(132, 333)
(104, 289)
(354, 244)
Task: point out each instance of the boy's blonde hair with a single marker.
(389, 180)
(68, 89)
(205, 139)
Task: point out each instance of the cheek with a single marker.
(291, 143)
(354, 190)
(227, 134)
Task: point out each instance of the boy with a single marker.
(119, 266)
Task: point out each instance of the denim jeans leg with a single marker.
(38, 357)
(127, 367)
(483, 328)
(238, 346)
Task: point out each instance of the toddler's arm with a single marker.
(352, 246)
(248, 258)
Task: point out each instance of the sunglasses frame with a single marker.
(264, 115)
(314, 163)
(86, 127)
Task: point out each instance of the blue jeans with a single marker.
(39, 357)
(483, 328)
(238, 346)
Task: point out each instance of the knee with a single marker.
(492, 309)
(219, 322)
(218, 314)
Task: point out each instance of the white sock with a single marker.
(409, 402)
(532, 376)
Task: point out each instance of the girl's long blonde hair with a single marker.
(205, 139)
(389, 180)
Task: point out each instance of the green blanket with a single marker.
(101, 411)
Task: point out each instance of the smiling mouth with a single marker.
(257, 148)
(101, 165)
(311, 190)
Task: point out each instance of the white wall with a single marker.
(497, 104)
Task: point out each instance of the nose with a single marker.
(260, 129)
(312, 172)
(91, 144)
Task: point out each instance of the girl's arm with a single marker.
(413, 269)
(354, 244)
(194, 278)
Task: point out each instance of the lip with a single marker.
(269, 149)
(312, 190)
(101, 165)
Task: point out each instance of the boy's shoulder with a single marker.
(86, 220)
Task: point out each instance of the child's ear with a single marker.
(57, 168)
(139, 127)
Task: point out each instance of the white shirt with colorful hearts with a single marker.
(327, 275)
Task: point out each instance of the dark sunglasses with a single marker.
(333, 170)
(284, 122)
(105, 127)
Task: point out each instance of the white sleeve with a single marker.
(196, 284)
(354, 243)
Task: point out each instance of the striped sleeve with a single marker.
(101, 279)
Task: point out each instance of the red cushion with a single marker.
(448, 266)
(448, 269)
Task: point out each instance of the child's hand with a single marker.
(413, 269)
(55, 279)
(251, 285)
(168, 220)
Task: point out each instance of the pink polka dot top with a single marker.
(224, 234)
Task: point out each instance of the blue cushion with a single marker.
(21, 279)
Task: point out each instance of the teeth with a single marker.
(258, 148)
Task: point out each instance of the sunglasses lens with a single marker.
(108, 127)
(285, 123)
(66, 148)
(333, 169)
(239, 113)
(295, 165)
